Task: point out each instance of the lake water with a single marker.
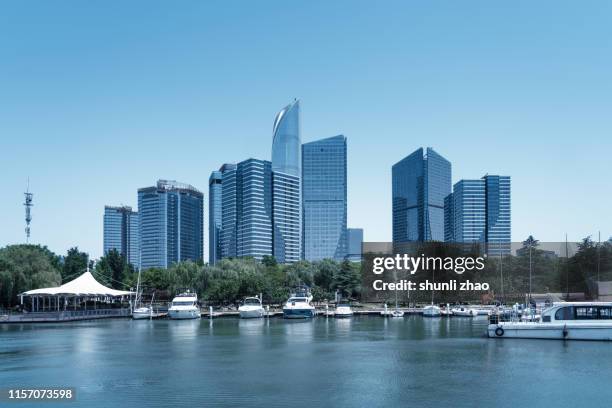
(364, 361)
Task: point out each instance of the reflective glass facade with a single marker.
(215, 215)
(469, 211)
(246, 206)
(286, 185)
(121, 232)
(355, 240)
(499, 225)
(479, 211)
(286, 140)
(324, 195)
(420, 183)
(171, 224)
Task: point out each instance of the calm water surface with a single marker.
(364, 361)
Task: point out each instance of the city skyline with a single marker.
(92, 115)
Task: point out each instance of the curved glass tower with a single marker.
(286, 144)
(286, 185)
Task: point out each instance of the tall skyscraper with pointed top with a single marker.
(286, 184)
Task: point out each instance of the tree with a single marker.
(75, 263)
(26, 267)
(324, 274)
(346, 279)
(113, 269)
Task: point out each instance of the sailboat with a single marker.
(432, 310)
(394, 313)
(141, 312)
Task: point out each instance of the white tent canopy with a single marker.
(84, 285)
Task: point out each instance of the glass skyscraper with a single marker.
(286, 186)
(479, 211)
(420, 183)
(171, 224)
(468, 212)
(499, 225)
(355, 240)
(121, 232)
(246, 210)
(324, 198)
(215, 215)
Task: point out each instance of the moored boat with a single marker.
(184, 306)
(464, 312)
(144, 312)
(251, 308)
(562, 321)
(431, 311)
(343, 310)
(298, 305)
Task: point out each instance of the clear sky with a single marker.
(99, 98)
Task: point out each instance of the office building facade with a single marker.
(499, 223)
(478, 211)
(420, 183)
(246, 210)
(355, 241)
(215, 214)
(324, 198)
(286, 185)
(171, 224)
(121, 232)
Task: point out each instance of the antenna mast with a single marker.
(28, 205)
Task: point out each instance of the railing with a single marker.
(65, 315)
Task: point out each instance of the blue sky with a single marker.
(100, 98)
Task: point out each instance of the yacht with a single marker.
(431, 311)
(184, 306)
(251, 308)
(464, 312)
(562, 321)
(140, 311)
(343, 310)
(144, 312)
(298, 305)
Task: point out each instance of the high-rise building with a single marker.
(324, 200)
(468, 211)
(421, 181)
(121, 232)
(286, 186)
(478, 211)
(215, 215)
(246, 208)
(171, 224)
(355, 240)
(499, 225)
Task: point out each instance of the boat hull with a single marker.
(182, 314)
(141, 315)
(298, 313)
(550, 331)
(251, 314)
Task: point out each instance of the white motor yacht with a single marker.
(562, 321)
(298, 305)
(251, 308)
(464, 312)
(343, 310)
(184, 306)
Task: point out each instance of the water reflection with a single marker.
(251, 327)
(361, 361)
